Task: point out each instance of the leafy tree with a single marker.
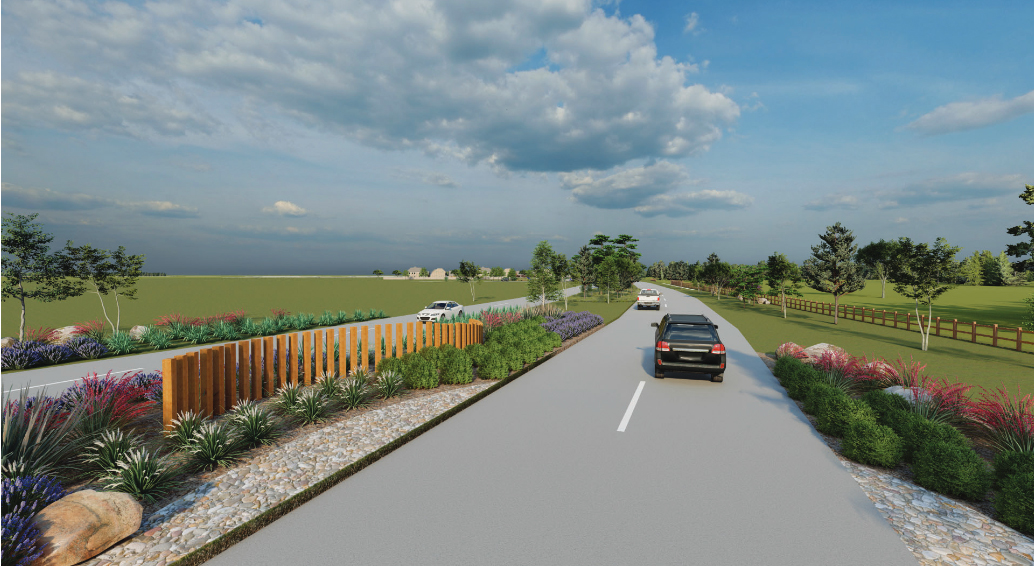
(496, 272)
(512, 274)
(1028, 318)
(631, 270)
(971, 271)
(105, 272)
(678, 270)
(830, 268)
(876, 256)
(716, 274)
(30, 271)
(543, 283)
(657, 270)
(608, 274)
(424, 272)
(1023, 249)
(561, 268)
(397, 273)
(922, 272)
(747, 280)
(470, 274)
(784, 277)
(378, 272)
(583, 269)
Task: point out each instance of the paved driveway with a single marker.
(538, 473)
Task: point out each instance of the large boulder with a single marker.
(137, 332)
(82, 525)
(64, 334)
(7, 342)
(815, 352)
(763, 301)
(910, 395)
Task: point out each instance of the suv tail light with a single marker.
(663, 346)
(718, 349)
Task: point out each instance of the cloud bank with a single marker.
(962, 116)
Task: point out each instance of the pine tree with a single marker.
(831, 269)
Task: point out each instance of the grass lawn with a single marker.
(200, 296)
(957, 360)
(597, 304)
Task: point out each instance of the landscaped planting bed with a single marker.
(171, 331)
(105, 433)
(936, 436)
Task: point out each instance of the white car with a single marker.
(439, 311)
(648, 299)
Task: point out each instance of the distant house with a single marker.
(486, 271)
(414, 271)
(438, 274)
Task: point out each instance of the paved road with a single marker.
(538, 473)
(56, 379)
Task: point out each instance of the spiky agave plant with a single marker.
(103, 454)
(183, 428)
(144, 474)
(254, 424)
(216, 444)
(312, 407)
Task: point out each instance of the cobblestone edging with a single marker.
(243, 492)
(937, 529)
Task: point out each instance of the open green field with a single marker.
(201, 296)
(957, 360)
(597, 304)
(984, 305)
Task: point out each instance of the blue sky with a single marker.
(272, 136)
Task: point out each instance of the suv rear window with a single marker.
(689, 332)
(648, 292)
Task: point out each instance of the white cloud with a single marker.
(961, 116)
(434, 76)
(47, 199)
(285, 208)
(838, 201)
(52, 100)
(686, 204)
(968, 186)
(161, 208)
(625, 189)
(692, 21)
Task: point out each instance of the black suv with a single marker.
(688, 342)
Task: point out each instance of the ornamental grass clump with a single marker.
(215, 444)
(86, 347)
(1007, 422)
(38, 436)
(159, 340)
(329, 385)
(870, 443)
(103, 454)
(953, 470)
(249, 327)
(570, 324)
(839, 369)
(181, 435)
(120, 343)
(106, 402)
(287, 397)
(312, 406)
(327, 319)
(254, 424)
(389, 384)
(269, 326)
(304, 320)
(355, 393)
(144, 474)
(225, 331)
(93, 329)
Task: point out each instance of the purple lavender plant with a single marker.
(571, 324)
(86, 347)
(30, 492)
(150, 383)
(23, 498)
(55, 353)
(21, 355)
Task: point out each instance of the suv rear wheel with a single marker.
(658, 372)
(717, 377)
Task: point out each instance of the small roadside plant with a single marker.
(181, 435)
(396, 365)
(254, 424)
(312, 407)
(358, 316)
(287, 397)
(360, 373)
(144, 474)
(197, 334)
(817, 397)
(840, 412)
(918, 431)
(225, 331)
(1009, 463)
(120, 343)
(38, 436)
(791, 350)
(420, 373)
(390, 384)
(1008, 422)
(23, 498)
(457, 367)
(329, 385)
(953, 470)
(304, 321)
(493, 366)
(1014, 503)
(103, 455)
(249, 327)
(106, 402)
(215, 444)
(355, 393)
(327, 319)
(91, 329)
(872, 444)
(86, 347)
(269, 326)
(888, 406)
(158, 339)
(342, 317)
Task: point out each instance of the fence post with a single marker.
(270, 370)
(364, 335)
(398, 337)
(388, 342)
(938, 326)
(994, 334)
(218, 398)
(973, 335)
(230, 376)
(895, 319)
(256, 369)
(1019, 339)
(243, 370)
(318, 345)
(281, 358)
(954, 329)
(169, 382)
(908, 321)
(377, 346)
(884, 317)
(342, 353)
(192, 393)
(352, 355)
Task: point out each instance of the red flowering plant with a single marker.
(280, 314)
(106, 402)
(790, 349)
(91, 329)
(840, 369)
(1007, 422)
(43, 335)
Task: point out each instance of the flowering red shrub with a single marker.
(174, 318)
(835, 360)
(108, 400)
(233, 317)
(93, 329)
(42, 334)
(790, 349)
(1008, 421)
(280, 313)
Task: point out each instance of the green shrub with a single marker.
(917, 431)
(493, 366)
(477, 352)
(888, 406)
(512, 356)
(817, 395)
(1014, 503)
(1009, 463)
(953, 470)
(870, 443)
(457, 367)
(396, 365)
(840, 412)
(786, 365)
(529, 352)
(420, 373)
(432, 354)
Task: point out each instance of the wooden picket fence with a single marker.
(997, 336)
(212, 380)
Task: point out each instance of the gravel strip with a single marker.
(243, 492)
(937, 529)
